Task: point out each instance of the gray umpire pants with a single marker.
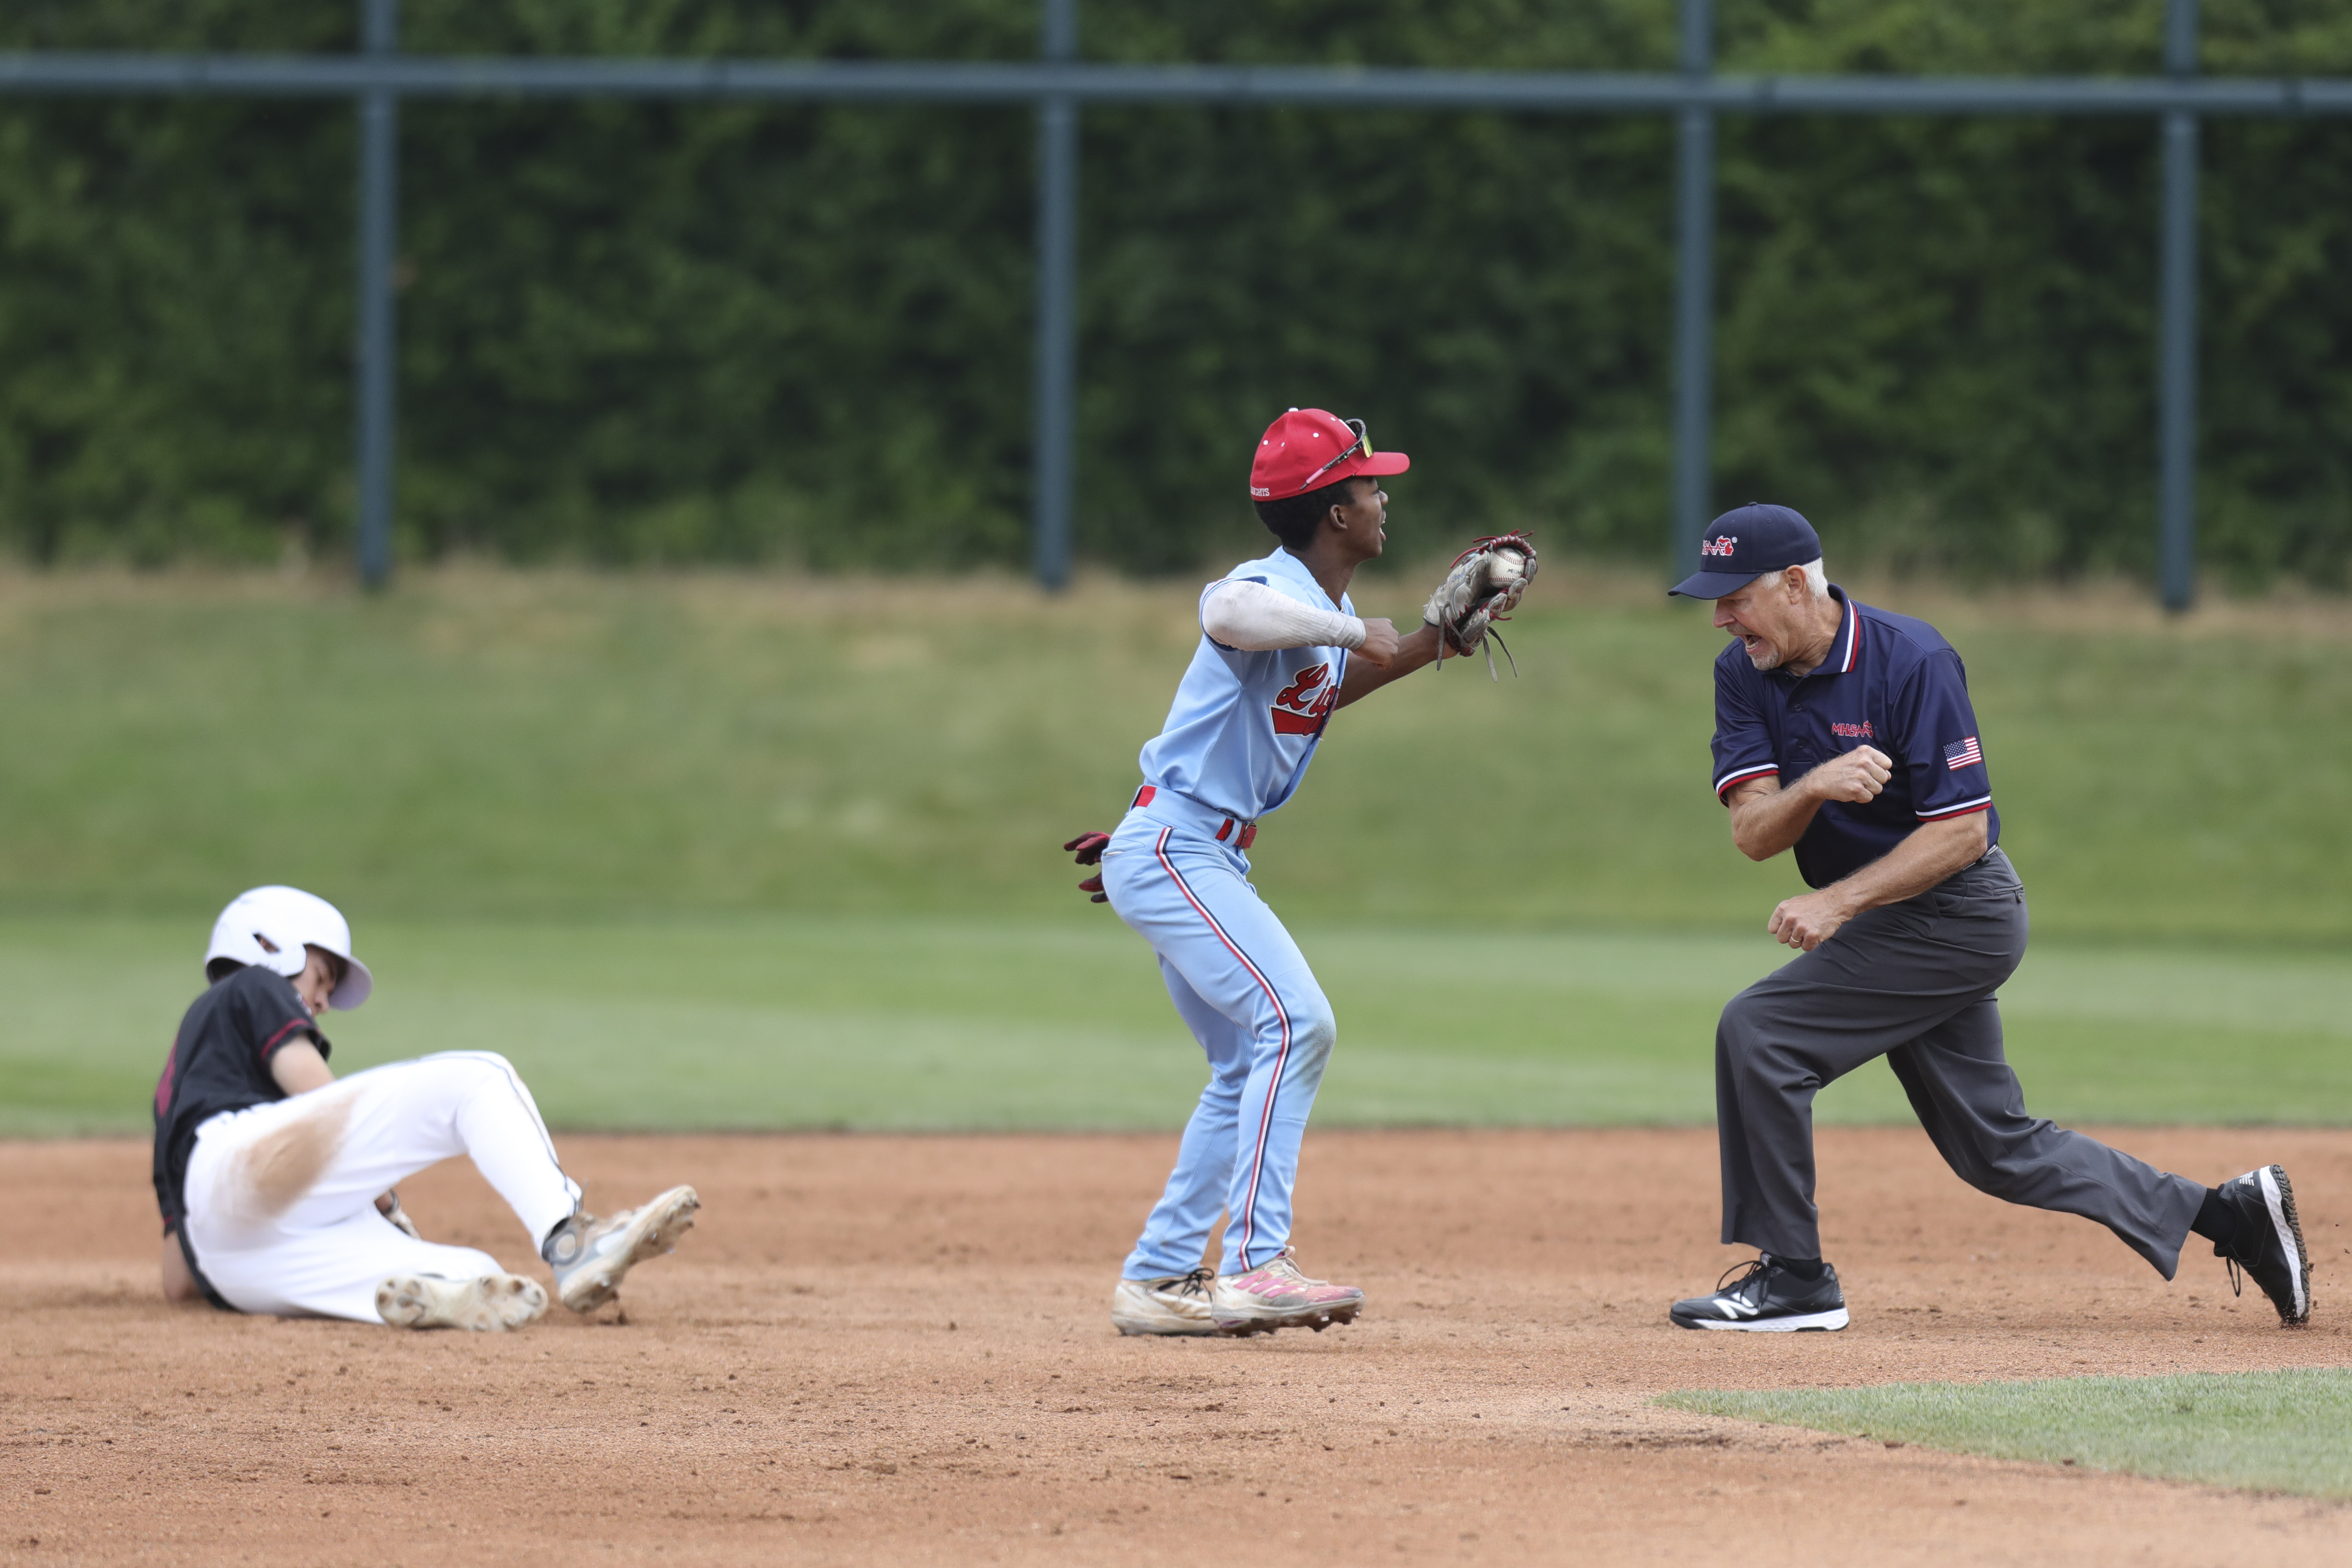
(1913, 982)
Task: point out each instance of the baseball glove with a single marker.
(1089, 848)
(1483, 587)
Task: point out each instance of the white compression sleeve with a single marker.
(1253, 616)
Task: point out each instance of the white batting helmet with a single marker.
(270, 926)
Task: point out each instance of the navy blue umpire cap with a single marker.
(1746, 542)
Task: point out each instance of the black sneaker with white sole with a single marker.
(1765, 1299)
(2269, 1242)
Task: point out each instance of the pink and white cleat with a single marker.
(1276, 1294)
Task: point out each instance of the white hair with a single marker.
(1816, 579)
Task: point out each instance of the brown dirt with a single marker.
(896, 1350)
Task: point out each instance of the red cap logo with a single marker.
(1308, 448)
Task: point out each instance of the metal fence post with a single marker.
(1058, 84)
(1694, 499)
(1058, 277)
(379, 115)
(2176, 419)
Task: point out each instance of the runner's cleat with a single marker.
(489, 1305)
(1176, 1305)
(589, 1256)
(1276, 1294)
(2269, 1243)
(1767, 1300)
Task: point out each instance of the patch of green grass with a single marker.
(565, 746)
(704, 851)
(2274, 1431)
(937, 1022)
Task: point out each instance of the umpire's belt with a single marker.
(1184, 811)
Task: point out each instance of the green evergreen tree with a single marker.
(737, 332)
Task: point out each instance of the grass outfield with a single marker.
(944, 1023)
(2278, 1431)
(705, 851)
(553, 746)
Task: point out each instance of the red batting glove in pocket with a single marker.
(1089, 848)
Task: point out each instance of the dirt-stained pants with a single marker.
(281, 1198)
(1913, 982)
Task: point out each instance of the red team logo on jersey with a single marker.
(1301, 707)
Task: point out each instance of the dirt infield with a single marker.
(897, 1349)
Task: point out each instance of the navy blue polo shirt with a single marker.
(1889, 681)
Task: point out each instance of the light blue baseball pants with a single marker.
(1243, 987)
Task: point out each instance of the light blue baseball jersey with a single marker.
(1245, 725)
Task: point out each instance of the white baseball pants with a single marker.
(280, 1198)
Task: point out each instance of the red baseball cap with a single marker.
(1308, 448)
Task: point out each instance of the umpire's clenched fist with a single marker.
(1858, 775)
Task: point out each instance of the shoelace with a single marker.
(1755, 1268)
(2234, 1266)
(1284, 1265)
(1196, 1283)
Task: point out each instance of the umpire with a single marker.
(1845, 732)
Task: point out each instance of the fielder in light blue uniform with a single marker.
(1281, 649)
(1238, 739)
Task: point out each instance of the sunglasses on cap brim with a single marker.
(1360, 447)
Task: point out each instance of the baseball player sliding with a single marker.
(1845, 732)
(276, 1179)
(1281, 649)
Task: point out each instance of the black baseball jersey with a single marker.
(220, 1061)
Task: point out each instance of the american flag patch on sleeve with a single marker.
(1963, 754)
